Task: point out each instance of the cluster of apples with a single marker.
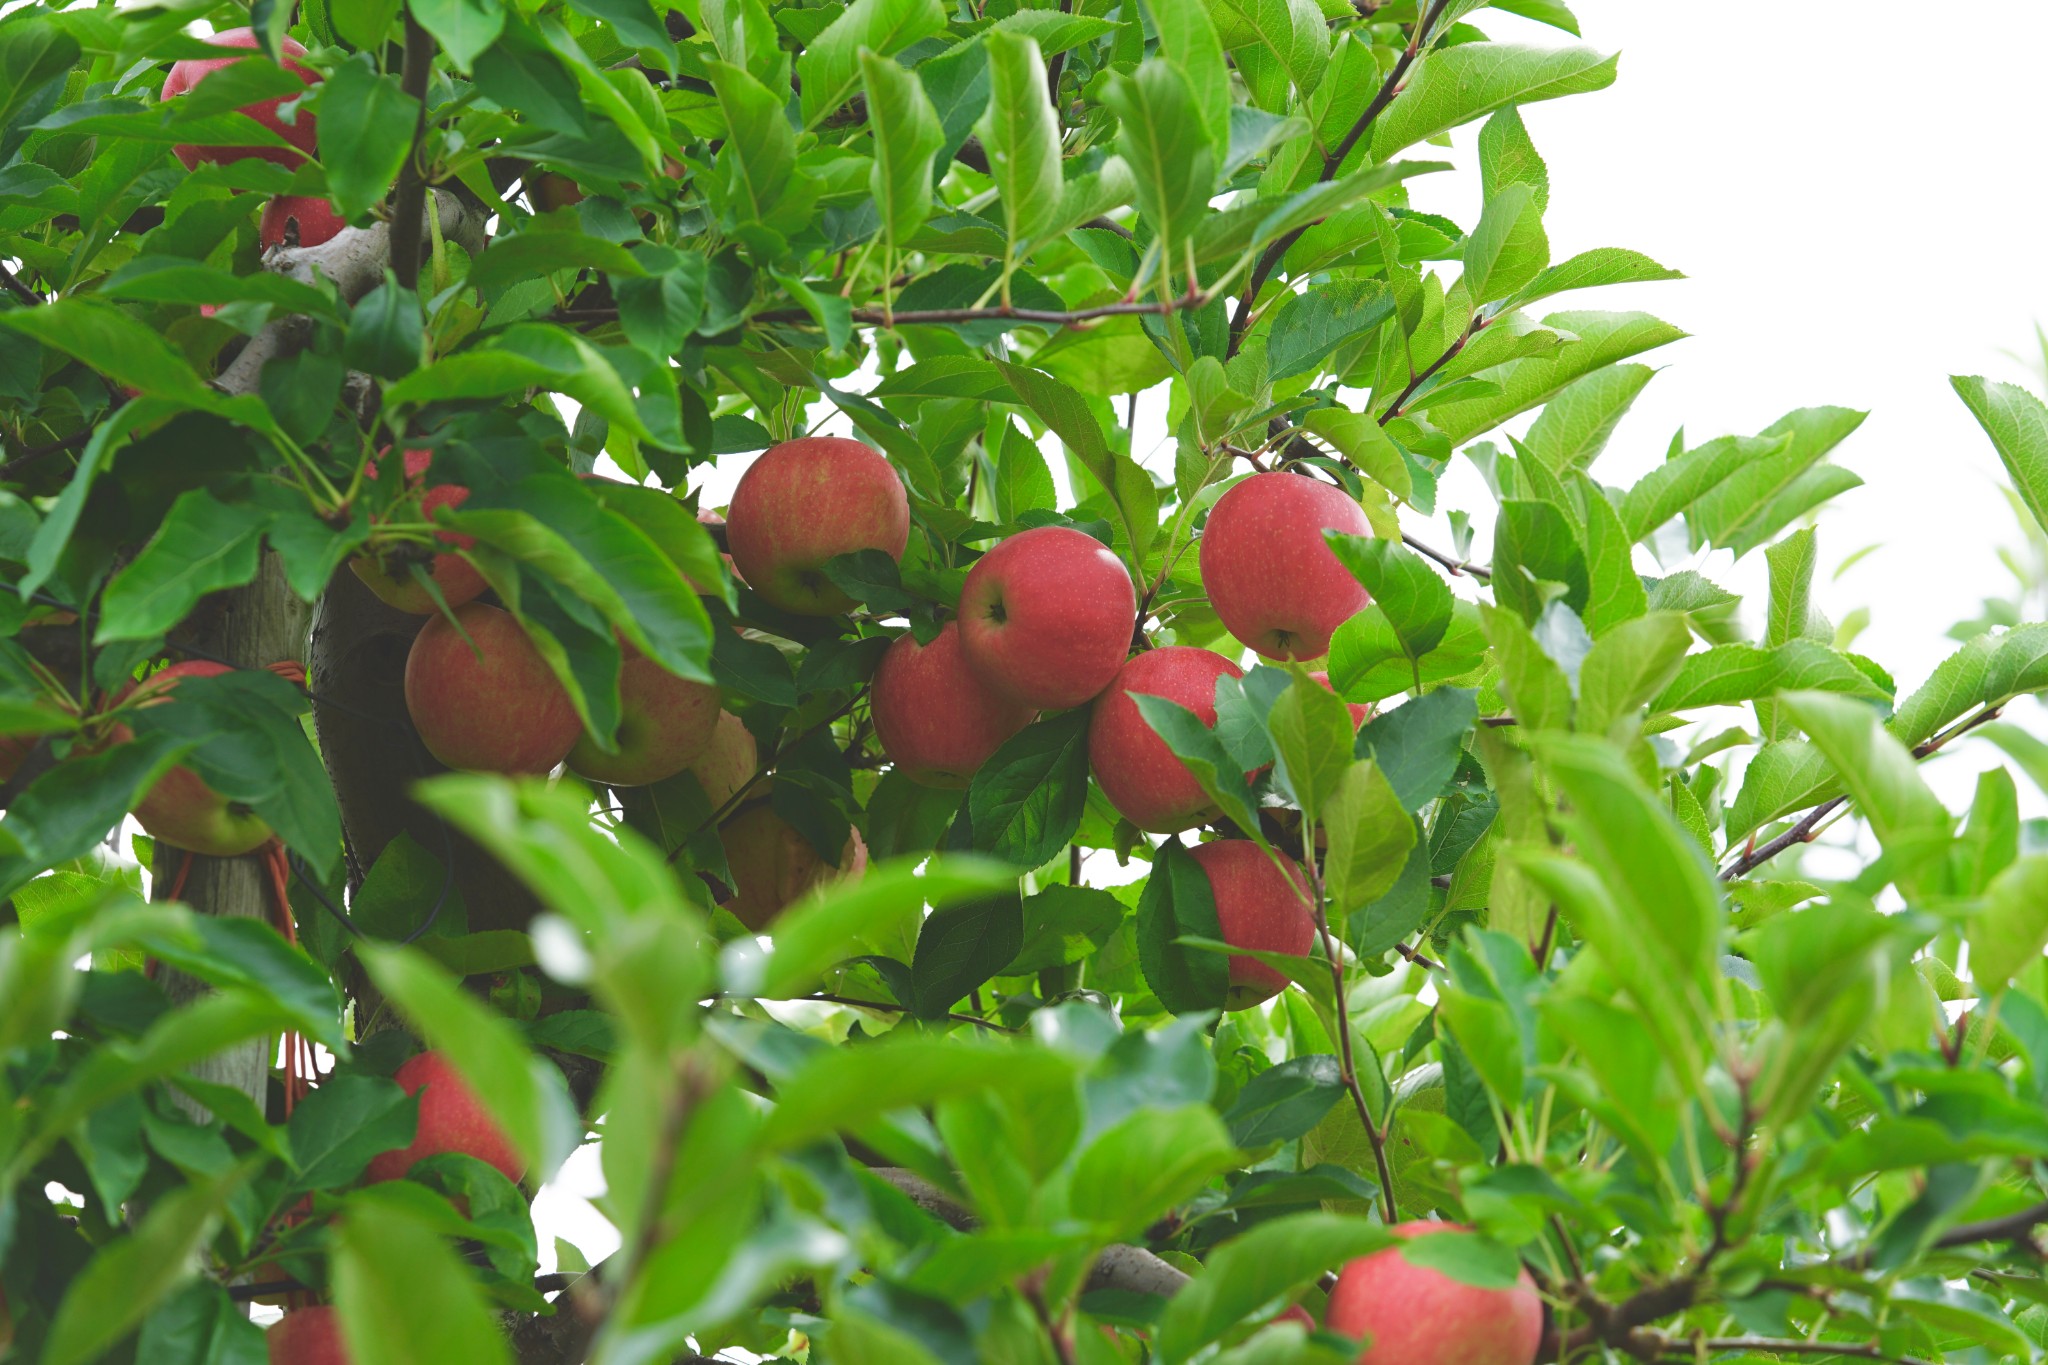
(451, 1120)
(1047, 621)
(288, 220)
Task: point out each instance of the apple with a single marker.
(14, 751)
(1414, 1315)
(181, 809)
(303, 220)
(1361, 712)
(452, 1119)
(503, 712)
(307, 1336)
(936, 719)
(551, 190)
(772, 864)
(455, 576)
(1270, 575)
(1257, 906)
(729, 762)
(299, 132)
(1046, 617)
(665, 725)
(1142, 777)
(804, 502)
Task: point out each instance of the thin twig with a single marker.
(1478, 325)
(77, 440)
(1345, 1056)
(886, 1008)
(1454, 567)
(1867, 1350)
(877, 317)
(18, 289)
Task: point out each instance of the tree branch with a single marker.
(878, 317)
(28, 296)
(408, 203)
(1454, 567)
(1477, 326)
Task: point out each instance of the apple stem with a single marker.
(1348, 1066)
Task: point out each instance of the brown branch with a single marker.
(21, 291)
(409, 201)
(1478, 325)
(77, 440)
(1777, 1346)
(1808, 825)
(886, 1008)
(1345, 1058)
(948, 316)
(1455, 567)
(1995, 1229)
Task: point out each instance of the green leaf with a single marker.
(1626, 668)
(759, 157)
(1177, 903)
(463, 28)
(1575, 426)
(829, 70)
(1027, 800)
(1760, 497)
(1274, 1259)
(1187, 39)
(2008, 933)
(1197, 746)
(1507, 248)
(1147, 1164)
(963, 946)
(525, 1094)
(1070, 418)
(1310, 325)
(1285, 1100)
(518, 257)
(1457, 84)
(366, 139)
(1593, 270)
(203, 546)
(1313, 733)
(114, 344)
(1416, 600)
(70, 808)
(1021, 135)
(1537, 688)
(349, 1119)
(1537, 558)
(1603, 339)
(1879, 772)
(1064, 924)
(838, 1089)
(2017, 423)
(402, 1295)
(1160, 135)
(1370, 835)
(200, 1325)
(907, 136)
(1418, 744)
(34, 50)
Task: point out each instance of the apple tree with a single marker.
(850, 614)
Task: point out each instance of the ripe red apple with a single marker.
(1046, 617)
(729, 762)
(935, 718)
(303, 220)
(1257, 906)
(1268, 571)
(299, 132)
(501, 713)
(307, 1336)
(665, 725)
(455, 576)
(1142, 777)
(772, 864)
(452, 1119)
(1414, 1315)
(804, 502)
(1360, 711)
(181, 809)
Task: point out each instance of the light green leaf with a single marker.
(1416, 600)
(1457, 84)
(1370, 834)
(759, 156)
(1162, 140)
(907, 136)
(464, 28)
(2011, 929)
(1604, 338)
(1187, 38)
(830, 68)
(402, 1295)
(1593, 269)
(1313, 734)
(1575, 426)
(1274, 1259)
(1626, 667)
(2017, 423)
(364, 140)
(1879, 772)
(1021, 135)
(1148, 1164)
(1508, 247)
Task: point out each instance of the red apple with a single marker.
(503, 712)
(551, 190)
(1257, 906)
(1046, 617)
(804, 502)
(304, 220)
(665, 725)
(1361, 712)
(180, 809)
(1268, 571)
(935, 718)
(772, 864)
(1142, 777)
(1413, 1315)
(299, 132)
(729, 762)
(452, 1119)
(307, 1336)
(455, 576)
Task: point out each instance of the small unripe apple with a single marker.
(1046, 617)
(455, 576)
(1136, 769)
(1269, 573)
(805, 502)
(665, 725)
(728, 762)
(304, 220)
(772, 864)
(299, 132)
(501, 713)
(1414, 1315)
(1258, 905)
(307, 1336)
(181, 810)
(936, 719)
(452, 1119)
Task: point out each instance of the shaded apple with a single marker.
(305, 220)
(457, 578)
(805, 502)
(452, 1119)
(1258, 905)
(180, 809)
(1270, 575)
(493, 709)
(665, 725)
(1361, 712)
(1414, 1315)
(936, 718)
(1046, 617)
(772, 864)
(299, 132)
(1142, 777)
(307, 1336)
(728, 762)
